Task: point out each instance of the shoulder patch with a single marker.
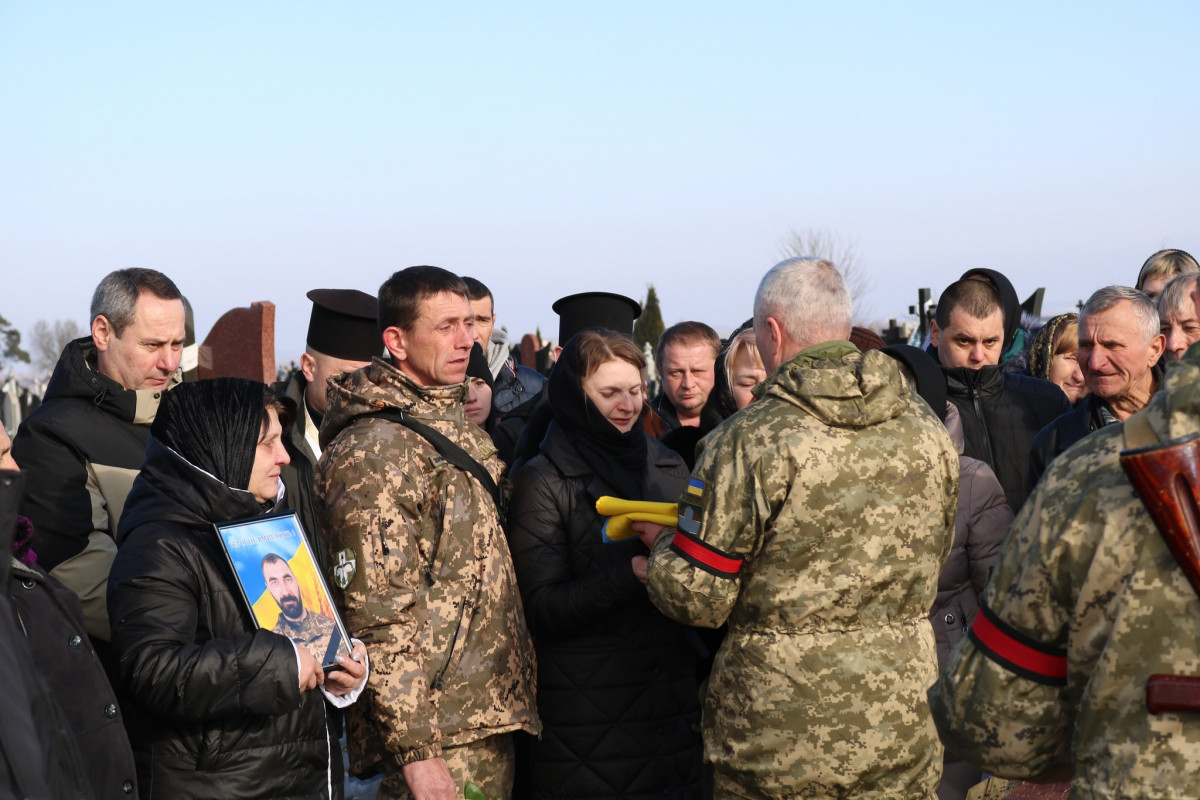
(695, 488)
(345, 566)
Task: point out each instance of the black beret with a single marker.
(344, 324)
(578, 312)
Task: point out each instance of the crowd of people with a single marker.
(855, 569)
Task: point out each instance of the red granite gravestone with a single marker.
(241, 345)
(529, 348)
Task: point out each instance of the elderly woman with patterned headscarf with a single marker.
(220, 708)
(1052, 355)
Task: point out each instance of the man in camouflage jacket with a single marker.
(419, 558)
(1084, 604)
(816, 523)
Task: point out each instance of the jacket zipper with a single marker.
(987, 436)
(438, 679)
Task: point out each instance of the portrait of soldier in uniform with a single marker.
(309, 628)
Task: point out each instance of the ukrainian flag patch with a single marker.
(695, 488)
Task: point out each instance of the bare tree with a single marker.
(49, 340)
(843, 252)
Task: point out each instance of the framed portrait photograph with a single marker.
(282, 586)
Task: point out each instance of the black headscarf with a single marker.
(215, 425)
(619, 459)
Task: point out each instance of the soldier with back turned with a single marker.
(816, 523)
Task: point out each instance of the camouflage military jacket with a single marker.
(313, 631)
(816, 522)
(1084, 604)
(422, 573)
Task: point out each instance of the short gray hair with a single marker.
(1144, 312)
(118, 293)
(809, 298)
(1176, 296)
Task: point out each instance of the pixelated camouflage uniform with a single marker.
(826, 513)
(313, 631)
(433, 593)
(1084, 604)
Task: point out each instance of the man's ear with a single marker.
(1157, 345)
(935, 333)
(102, 332)
(395, 342)
(308, 366)
(777, 336)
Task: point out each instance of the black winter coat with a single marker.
(38, 758)
(51, 618)
(217, 710)
(1001, 413)
(1060, 434)
(617, 681)
(84, 432)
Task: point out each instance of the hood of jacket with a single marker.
(380, 386)
(841, 386)
(171, 489)
(1010, 303)
(76, 375)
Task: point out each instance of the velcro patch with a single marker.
(345, 566)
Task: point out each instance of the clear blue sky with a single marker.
(253, 151)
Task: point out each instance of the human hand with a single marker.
(647, 532)
(430, 780)
(352, 674)
(311, 673)
(641, 567)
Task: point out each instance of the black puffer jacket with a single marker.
(52, 620)
(617, 685)
(1001, 413)
(216, 708)
(38, 757)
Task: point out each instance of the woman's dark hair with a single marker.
(216, 424)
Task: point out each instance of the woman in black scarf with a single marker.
(617, 684)
(219, 708)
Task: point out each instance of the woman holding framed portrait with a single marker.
(220, 707)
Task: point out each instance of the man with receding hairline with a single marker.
(1119, 350)
(686, 357)
(83, 446)
(816, 523)
(1001, 411)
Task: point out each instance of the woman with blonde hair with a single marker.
(1161, 267)
(743, 367)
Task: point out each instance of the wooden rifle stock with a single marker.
(1165, 477)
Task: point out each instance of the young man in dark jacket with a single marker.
(1001, 411)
